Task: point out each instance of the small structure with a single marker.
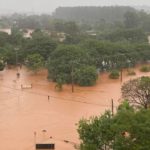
(6, 30)
(18, 74)
(91, 32)
(45, 146)
(27, 86)
(28, 33)
(148, 39)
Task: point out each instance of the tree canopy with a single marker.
(137, 92)
(127, 129)
(68, 62)
(34, 62)
(91, 14)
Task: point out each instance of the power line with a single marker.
(76, 89)
(63, 99)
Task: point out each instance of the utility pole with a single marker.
(16, 58)
(112, 106)
(35, 140)
(72, 78)
(121, 73)
(44, 132)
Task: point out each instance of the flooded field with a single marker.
(26, 111)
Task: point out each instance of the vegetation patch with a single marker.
(114, 74)
(127, 129)
(145, 69)
(2, 66)
(86, 76)
(131, 72)
(34, 62)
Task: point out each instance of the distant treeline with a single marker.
(97, 19)
(24, 21)
(92, 14)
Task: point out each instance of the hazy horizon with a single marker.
(48, 6)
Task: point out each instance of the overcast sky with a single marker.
(50, 5)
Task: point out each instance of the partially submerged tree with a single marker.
(114, 74)
(2, 63)
(34, 62)
(72, 64)
(137, 92)
(86, 76)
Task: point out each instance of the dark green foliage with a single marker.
(68, 62)
(91, 14)
(34, 62)
(86, 76)
(71, 28)
(59, 83)
(16, 38)
(68, 27)
(2, 63)
(4, 38)
(116, 55)
(96, 131)
(101, 19)
(131, 19)
(2, 66)
(127, 129)
(131, 72)
(130, 35)
(114, 74)
(9, 54)
(40, 43)
(145, 69)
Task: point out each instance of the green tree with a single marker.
(2, 63)
(71, 28)
(41, 43)
(131, 19)
(66, 61)
(34, 62)
(16, 37)
(114, 74)
(68, 27)
(4, 38)
(59, 83)
(86, 76)
(129, 35)
(9, 54)
(59, 26)
(127, 129)
(95, 132)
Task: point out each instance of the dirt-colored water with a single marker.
(23, 112)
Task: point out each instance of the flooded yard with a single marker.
(26, 111)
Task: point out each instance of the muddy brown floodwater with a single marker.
(25, 111)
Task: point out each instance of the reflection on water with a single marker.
(25, 111)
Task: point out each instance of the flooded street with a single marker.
(25, 111)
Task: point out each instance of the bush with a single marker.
(86, 76)
(131, 73)
(2, 66)
(34, 62)
(2, 63)
(145, 69)
(114, 74)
